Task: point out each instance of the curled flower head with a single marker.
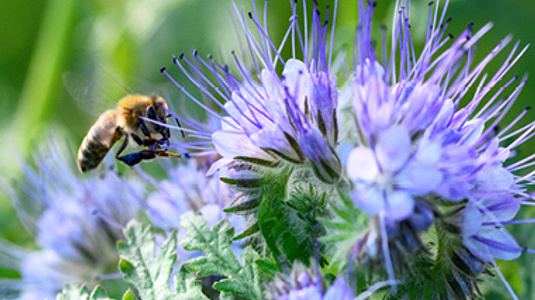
(76, 222)
(271, 116)
(413, 136)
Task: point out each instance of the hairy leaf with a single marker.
(77, 292)
(243, 280)
(148, 274)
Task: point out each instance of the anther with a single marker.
(195, 52)
(181, 55)
(162, 69)
(250, 15)
(175, 60)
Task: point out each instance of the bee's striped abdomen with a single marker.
(98, 141)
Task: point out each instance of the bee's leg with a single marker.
(144, 129)
(122, 147)
(135, 158)
(145, 142)
(137, 139)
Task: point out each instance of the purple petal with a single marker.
(361, 164)
(400, 206)
(232, 144)
(393, 148)
(500, 243)
(494, 178)
(369, 199)
(419, 179)
(471, 221)
(339, 290)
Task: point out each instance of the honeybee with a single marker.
(125, 121)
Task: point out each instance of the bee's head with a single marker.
(157, 113)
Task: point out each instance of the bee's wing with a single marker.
(88, 95)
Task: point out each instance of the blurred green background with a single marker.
(62, 62)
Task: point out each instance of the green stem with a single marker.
(39, 93)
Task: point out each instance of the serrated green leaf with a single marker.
(220, 259)
(247, 232)
(79, 292)
(187, 287)
(203, 266)
(343, 226)
(290, 226)
(149, 275)
(73, 292)
(232, 286)
(215, 243)
(341, 237)
(268, 266)
(99, 293)
(227, 296)
(345, 213)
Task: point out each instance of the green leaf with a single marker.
(80, 292)
(268, 266)
(99, 293)
(129, 295)
(149, 275)
(290, 225)
(73, 292)
(187, 287)
(220, 259)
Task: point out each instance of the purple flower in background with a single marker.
(270, 116)
(76, 223)
(182, 193)
(179, 194)
(304, 284)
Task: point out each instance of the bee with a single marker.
(127, 120)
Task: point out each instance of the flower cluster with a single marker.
(415, 138)
(421, 152)
(76, 222)
(398, 173)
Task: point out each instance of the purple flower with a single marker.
(76, 222)
(413, 137)
(388, 177)
(304, 284)
(270, 116)
(482, 228)
(423, 127)
(181, 193)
